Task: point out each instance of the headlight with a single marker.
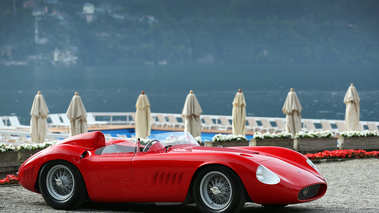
(266, 176)
(312, 165)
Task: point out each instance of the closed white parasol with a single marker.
(191, 115)
(143, 116)
(38, 122)
(352, 109)
(292, 108)
(239, 114)
(77, 115)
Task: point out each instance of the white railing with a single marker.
(114, 118)
(127, 118)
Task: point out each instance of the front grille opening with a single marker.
(308, 192)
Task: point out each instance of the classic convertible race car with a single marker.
(173, 169)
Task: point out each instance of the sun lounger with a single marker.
(225, 124)
(280, 126)
(173, 122)
(208, 123)
(252, 124)
(65, 119)
(360, 127)
(267, 125)
(4, 127)
(56, 121)
(340, 126)
(161, 121)
(309, 126)
(372, 126)
(16, 123)
(327, 126)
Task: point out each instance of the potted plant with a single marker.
(282, 139)
(221, 140)
(315, 141)
(8, 158)
(366, 140)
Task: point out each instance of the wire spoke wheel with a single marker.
(216, 190)
(60, 182)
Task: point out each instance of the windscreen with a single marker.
(174, 138)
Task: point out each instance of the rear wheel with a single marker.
(62, 185)
(217, 189)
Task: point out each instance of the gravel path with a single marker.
(353, 186)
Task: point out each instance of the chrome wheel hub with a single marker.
(216, 190)
(60, 182)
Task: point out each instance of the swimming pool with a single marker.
(131, 133)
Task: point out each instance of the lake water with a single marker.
(321, 89)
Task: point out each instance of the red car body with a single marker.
(166, 174)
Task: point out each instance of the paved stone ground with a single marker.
(353, 186)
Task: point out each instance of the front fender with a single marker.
(284, 154)
(29, 170)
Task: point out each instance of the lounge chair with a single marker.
(16, 123)
(162, 122)
(327, 126)
(173, 122)
(360, 127)
(280, 126)
(309, 126)
(252, 124)
(208, 123)
(372, 126)
(225, 124)
(267, 125)
(56, 121)
(340, 126)
(65, 119)
(4, 127)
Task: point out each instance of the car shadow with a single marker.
(136, 207)
(190, 208)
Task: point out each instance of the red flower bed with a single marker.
(335, 154)
(10, 179)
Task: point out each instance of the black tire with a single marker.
(225, 196)
(62, 185)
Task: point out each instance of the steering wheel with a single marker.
(148, 145)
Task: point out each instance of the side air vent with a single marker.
(167, 178)
(84, 154)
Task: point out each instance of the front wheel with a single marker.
(62, 185)
(217, 189)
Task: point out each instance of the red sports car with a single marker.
(174, 169)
